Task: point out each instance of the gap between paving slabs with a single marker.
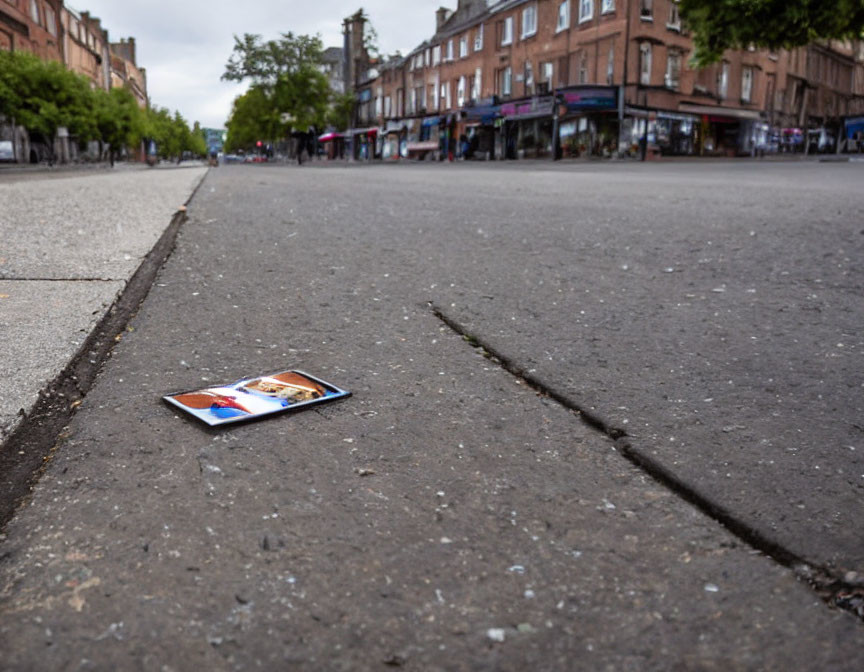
(29, 448)
(836, 591)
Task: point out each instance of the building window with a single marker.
(73, 27)
(746, 84)
(460, 92)
(449, 50)
(34, 11)
(50, 20)
(645, 63)
(646, 10)
(529, 78)
(463, 46)
(388, 106)
(547, 72)
(583, 67)
(478, 84)
(436, 54)
(723, 81)
(446, 87)
(507, 31)
(586, 10)
(674, 17)
(607, 7)
(529, 21)
(673, 70)
(610, 65)
(478, 39)
(563, 16)
(506, 81)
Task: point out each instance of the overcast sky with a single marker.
(184, 44)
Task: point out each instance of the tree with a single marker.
(288, 90)
(119, 119)
(43, 96)
(253, 118)
(341, 111)
(265, 62)
(774, 24)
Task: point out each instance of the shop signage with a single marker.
(591, 98)
(536, 107)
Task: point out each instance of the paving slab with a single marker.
(42, 326)
(96, 226)
(713, 311)
(70, 244)
(446, 517)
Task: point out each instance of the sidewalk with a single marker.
(446, 517)
(70, 246)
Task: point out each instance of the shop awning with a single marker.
(362, 131)
(431, 121)
(327, 137)
(718, 111)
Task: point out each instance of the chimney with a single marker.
(441, 17)
(132, 51)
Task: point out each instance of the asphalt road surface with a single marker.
(447, 516)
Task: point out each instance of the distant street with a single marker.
(456, 513)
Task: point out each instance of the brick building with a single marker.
(53, 32)
(32, 26)
(513, 78)
(125, 71)
(86, 47)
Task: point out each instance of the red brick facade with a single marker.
(528, 49)
(32, 26)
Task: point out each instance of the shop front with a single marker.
(589, 122)
(479, 129)
(854, 132)
(333, 144)
(526, 128)
(361, 143)
(725, 131)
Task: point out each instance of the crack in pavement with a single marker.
(838, 592)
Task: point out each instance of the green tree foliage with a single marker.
(254, 117)
(736, 24)
(171, 134)
(119, 119)
(288, 91)
(341, 110)
(266, 62)
(43, 96)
